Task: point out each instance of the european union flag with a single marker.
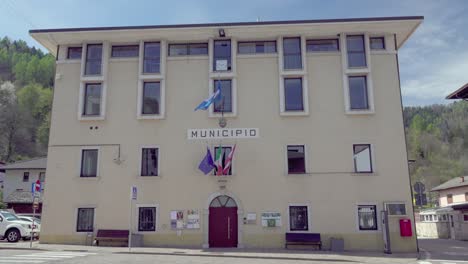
(207, 164)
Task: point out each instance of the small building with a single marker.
(18, 180)
(450, 220)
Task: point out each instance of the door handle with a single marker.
(229, 227)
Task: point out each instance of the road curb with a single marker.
(22, 248)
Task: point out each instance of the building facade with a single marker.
(17, 184)
(313, 111)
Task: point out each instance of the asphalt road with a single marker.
(443, 251)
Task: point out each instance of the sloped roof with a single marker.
(453, 183)
(461, 93)
(37, 163)
(20, 197)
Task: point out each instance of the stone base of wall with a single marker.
(352, 242)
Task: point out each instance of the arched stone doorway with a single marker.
(223, 222)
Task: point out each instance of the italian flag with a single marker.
(228, 161)
(219, 161)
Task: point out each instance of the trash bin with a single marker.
(336, 244)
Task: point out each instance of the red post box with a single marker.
(405, 227)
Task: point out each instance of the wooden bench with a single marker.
(112, 237)
(303, 239)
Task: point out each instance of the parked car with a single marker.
(12, 228)
(36, 224)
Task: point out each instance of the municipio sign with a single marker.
(222, 133)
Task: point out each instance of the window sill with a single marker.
(148, 177)
(364, 174)
(223, 74)
(150, 117)
(218, 115)
(97, 178)
(294, 113)
(150, 76)
(92, 78)
(69, 61)
(124, 59)
(323, 53)
(257, 56)
(289, 174)
(357, 70)
(360, 112)
(300, 72)
(186, 57)
(91, 118)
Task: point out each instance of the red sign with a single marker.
(37, 187)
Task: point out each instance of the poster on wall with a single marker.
(271, 219)
(177, 219)
(193, 219)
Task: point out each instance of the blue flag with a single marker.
(206, 103)
(207, 164)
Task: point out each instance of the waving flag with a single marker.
(206, 103)
(207, 164)
(219, 156)
(228, 161)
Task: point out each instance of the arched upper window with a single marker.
(223, 201)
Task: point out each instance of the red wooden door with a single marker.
(223, 227)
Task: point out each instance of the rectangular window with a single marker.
(151, 57)
(296, 159)
(465, 217)
(25, 176)
(256, 47)
(293, 94)
(356, 51)
(89, 163)
(149, 162)
(292, 59)
(367, 217)
(92, 99)
(188, 49)
(85, 220)
(362, 158)
(146, 218)
(321, 45)
(377, 43)
(466, 197)
(358, 98)
(225, 151)
(93, 59)
(224, 101)
(42, 176)
(396, 208)
(298, 218)
(222, 55)
(125, 51)
(74, 53)
(449, 198)
(151, 98)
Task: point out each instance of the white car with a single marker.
(36, 224)
(12, 228)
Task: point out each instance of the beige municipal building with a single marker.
(309, 129)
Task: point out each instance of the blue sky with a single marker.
(433, 63)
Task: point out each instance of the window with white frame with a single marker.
(89, 162)
(42, 176)
(356, 49)
(293, 94)
(26, 176)
(149, 161)
(223, 103)
(256, 47)
(298, 218)
(146, 218)
(151, 98)
(85, 220)
(92, 99)
(296, 159)
(93, 64)
(367, 217)
(358, 94)
(222, 55)
(362, 158)
(323, 45)
(124, 51)
(377, 43)
(395, 208)
(74, 53)
(292, 58)
(151, 57)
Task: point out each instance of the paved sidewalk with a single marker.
(449, 250)
(276, 254)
